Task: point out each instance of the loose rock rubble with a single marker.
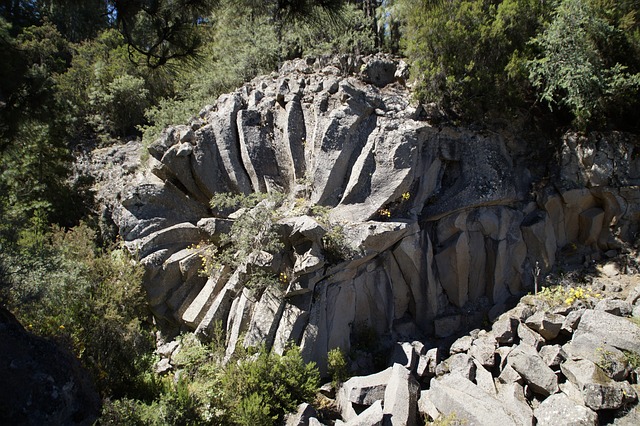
(541, 363)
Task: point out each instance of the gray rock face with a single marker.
(401, 397)
(616, 331)
(418, 221)
(301, 416)
(582, 382)
(363, 390)
(547, 324)
(598, 391)
(372, 416)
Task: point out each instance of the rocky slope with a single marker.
(551, 360)
(423, 229)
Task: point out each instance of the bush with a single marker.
(577, 68)
(265, 387)
(91, 300)
(119, 108)
(337, 366)
(467, 54)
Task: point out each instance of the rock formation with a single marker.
(42, 383)
(424, 225)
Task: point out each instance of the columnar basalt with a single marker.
(432, 220)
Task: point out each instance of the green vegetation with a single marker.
(558, 295)
(253, 389)
(60, 285)
(480, 58)
(252, 232)
(337, 366)
(633, 359)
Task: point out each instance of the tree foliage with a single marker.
(479, 57)
(582, 64)
(60, 285)
(467, 54)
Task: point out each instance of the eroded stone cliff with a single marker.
(438, 222)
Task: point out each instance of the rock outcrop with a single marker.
(424, 225)
(42, 383)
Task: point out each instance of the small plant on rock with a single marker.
(252, 231)
(561, 295)
(337, 365)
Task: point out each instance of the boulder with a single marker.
(484, 379)
(598, 390)
(454, 394)
(617, 307)
(463, 344)
(529, 337)
(362, 390)
(301, 416)
(553, 355)
(505, 329)
(515, 403)
(546, 324)
(559, 410)
(533, 369)
(460, 364)
(427, 363)
(616, 331)
(426, 408)
(401, 397)
(372, 416)
(483, 350)
(612, 360)
(571, 321)
(379, 72)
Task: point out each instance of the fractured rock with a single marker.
(529, 337)
(534, 371)
(616, 331)
(301, 416)
(483, 349)
(620, 308)
(559, 410)
(455, 394)
(362, 390)
(401, 397)
(372, 416)
(548, 325)
(505, 329)
(598, 390)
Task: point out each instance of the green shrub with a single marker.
(276, 383)
(576, 68)
(337, 366)
(254, 230)
(467, 54)
(91, 300)
(119, 107)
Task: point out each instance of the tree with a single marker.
(467, 54)
(582, 65)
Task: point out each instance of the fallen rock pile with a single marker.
(574, 362)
